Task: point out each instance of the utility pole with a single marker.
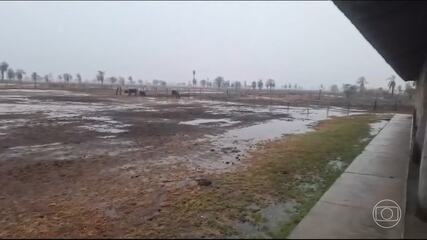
(194, 77)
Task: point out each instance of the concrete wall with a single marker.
(419, 141)
(420, 115)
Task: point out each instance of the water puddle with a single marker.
(44, 92)
(222, 122)
(104, 128)
(336, 165)
(266, 221)
(8, 124)
(229, 148)
(376, 127)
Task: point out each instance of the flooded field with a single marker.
(89, 125)
(72, 155)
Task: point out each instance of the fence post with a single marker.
(327, 110)
(348, 108)
(375, 104)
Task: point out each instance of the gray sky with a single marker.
(309, 43)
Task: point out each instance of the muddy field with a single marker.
(76, 164)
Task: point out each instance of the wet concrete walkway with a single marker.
(379, 172)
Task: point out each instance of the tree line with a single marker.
(10, 74)
(360, 87)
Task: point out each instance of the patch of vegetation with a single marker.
(292, 169)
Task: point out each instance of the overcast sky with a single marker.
(309, 43)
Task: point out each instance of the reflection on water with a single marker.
(231, 146)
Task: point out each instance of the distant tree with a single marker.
(334, 89)
(270, 84)
(226, 84)
(391, 84)
(67, 77)
(100, 77)
(349, 90)
(140, 82)
(20, 74)
(113, 80)
(260, 84)
(219, 81)
(11, 74)
(130, 79)
(320, 91)
(296, 86)
(3, 68)
(399, 89)
(46, 78)
(290, 86)
(79, 78)
(60, 78)
(122, 81)
(203, 82)
(194, 78)
(34, 77)
(237, 84)
(409, 90)
(361, 81)
(254, 85)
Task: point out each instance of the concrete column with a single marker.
(420, 116)
(422, 184)
(420, 141)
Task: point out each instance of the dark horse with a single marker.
(131, 91)
(175, 93)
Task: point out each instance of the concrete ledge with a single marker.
(379, 172)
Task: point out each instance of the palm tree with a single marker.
(130, 79)
(391, 84)
(399, 89)
(349, 90)
(100, 77)
(237, 84)
(20, 74)
(79, 78)
(67, 77)
(260, 84)
(361, 81)
(35, 76)
(194, 78)
(121, 81)
(113, 80)
(270, 84)
(219, 81)
(334, 89)
(10, 74)
(3, 68)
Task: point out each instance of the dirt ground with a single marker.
(91, 164)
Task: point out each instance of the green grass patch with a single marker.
(296, 169)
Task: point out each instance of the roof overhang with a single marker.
(397, 30)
